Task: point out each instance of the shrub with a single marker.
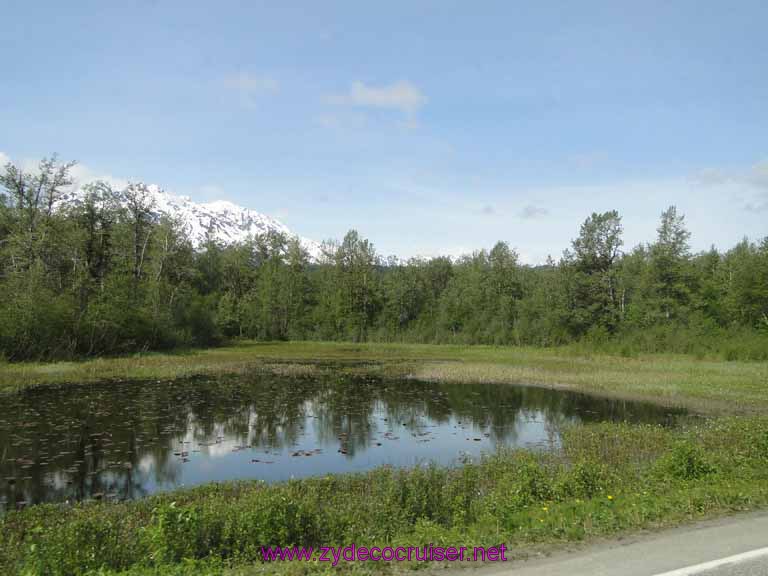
(586, 479)
(172, 535)
(686, 461)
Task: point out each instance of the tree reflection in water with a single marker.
(125, 440)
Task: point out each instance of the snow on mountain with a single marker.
(228, 222)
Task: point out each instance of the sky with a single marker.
(431, 127)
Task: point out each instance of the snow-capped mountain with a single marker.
(228, 222)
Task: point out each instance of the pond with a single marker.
(125, 440)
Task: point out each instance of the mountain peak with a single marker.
(228, 222)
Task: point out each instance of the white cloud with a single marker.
(748, 187)
(249, 86)
(4, 159)
(530, 211)
(758, 175)
(401, 96)
(758, 179)
(710, 177)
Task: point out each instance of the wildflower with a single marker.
(610, 497)
(544, 508)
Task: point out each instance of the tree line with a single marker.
(106, 275)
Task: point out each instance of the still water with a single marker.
(126, 440)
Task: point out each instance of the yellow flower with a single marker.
(610, 497)
(544, 508)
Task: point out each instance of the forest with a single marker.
(106, 276)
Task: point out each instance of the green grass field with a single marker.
(702, 384)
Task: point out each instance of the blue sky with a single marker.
(432, 127)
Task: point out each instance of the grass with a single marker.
(701, 384)
(607, 479)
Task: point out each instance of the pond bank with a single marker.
(699, 384)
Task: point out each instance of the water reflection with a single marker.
(126, 440)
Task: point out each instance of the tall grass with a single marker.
(713, 343)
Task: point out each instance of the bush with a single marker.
(586, 479)
(173, 534)
(686, 461)
(35, 322)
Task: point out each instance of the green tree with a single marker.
(669, 270)
(592, 274)
(355, 261)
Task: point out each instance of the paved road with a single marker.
(756, 567)
(736, 546)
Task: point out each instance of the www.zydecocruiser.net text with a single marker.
(355, 553)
